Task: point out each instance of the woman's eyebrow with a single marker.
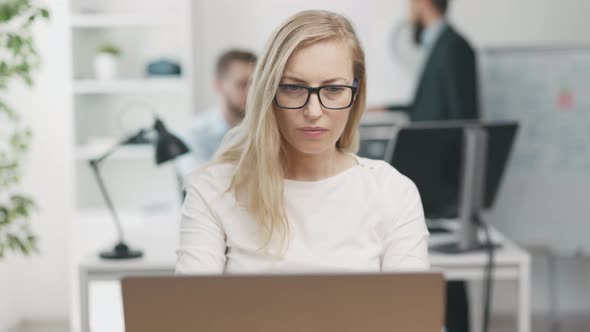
(328, 81)
(335, 80)
(294, 79)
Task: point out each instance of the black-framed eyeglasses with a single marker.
(332, 97)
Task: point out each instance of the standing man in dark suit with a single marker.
(447, 90)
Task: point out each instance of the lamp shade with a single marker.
(168, 146)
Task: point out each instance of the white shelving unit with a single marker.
(87, 152)
(145, 31)
(122, 86)
(105, 111)
(123, 20)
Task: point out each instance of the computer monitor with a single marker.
(432, 158)
(457, 167)
(376, 142)
(500, 142)
(376, 133)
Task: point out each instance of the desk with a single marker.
(511, 263)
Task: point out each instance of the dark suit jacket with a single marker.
(448, 87)
(448, 90)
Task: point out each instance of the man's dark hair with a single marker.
(441, 5)
(228, 57)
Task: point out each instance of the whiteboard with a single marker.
(545, 197)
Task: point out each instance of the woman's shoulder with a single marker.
(211, 178)
(396, 191)
(385, 175)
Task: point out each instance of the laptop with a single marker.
(285, 303)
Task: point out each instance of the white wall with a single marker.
(9, 291)
(225, 23)
(40, 283)
(523, 22)
(49, 175)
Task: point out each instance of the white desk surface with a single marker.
(510, 263)
(509, 254)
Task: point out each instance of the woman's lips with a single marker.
(312, 131)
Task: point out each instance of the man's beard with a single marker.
(418, 28)
(234, 110)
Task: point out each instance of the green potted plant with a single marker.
(106, 61)
(18, 60)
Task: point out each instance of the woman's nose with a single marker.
(313, 109)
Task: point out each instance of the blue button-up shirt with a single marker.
(203, 138)
(431, 35)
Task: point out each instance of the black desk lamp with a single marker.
(167, 147)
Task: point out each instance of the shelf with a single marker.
(90, 86)
(124, 20)
(87, 152)
(145, 31)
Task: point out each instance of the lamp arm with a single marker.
(116, 147)
(95, 162)
(94, 165)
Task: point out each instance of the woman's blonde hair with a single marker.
(255, 147)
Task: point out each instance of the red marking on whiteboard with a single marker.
(565, 100)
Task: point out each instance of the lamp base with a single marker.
(121, 251)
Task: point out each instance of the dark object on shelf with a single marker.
(163, 67)
(167, 147)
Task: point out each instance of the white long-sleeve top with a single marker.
(368, 218)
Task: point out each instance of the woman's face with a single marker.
(315, 129)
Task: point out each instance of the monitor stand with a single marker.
(457, 247)
(438, 230)
(472, 190)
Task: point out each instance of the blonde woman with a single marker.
(286, 193)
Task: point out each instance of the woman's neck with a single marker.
(309, 167)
